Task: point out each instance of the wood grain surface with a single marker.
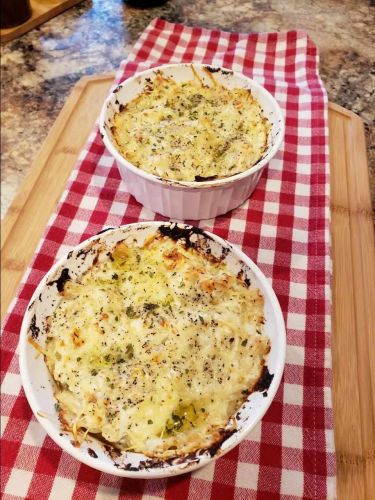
(41, 11)
(353, 286)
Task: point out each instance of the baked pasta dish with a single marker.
(191, 131)
(155, 347)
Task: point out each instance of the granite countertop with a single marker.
(40, 68)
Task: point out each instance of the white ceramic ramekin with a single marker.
(37, 381)
(191, 200)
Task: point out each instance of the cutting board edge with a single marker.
(356, 464)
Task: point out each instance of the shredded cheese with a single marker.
(190, 132)
(155, 347)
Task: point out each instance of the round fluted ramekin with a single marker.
(38, 384)
(191, 200)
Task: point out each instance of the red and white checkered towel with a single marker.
(284, 228)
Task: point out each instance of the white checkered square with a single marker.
(88, 202)
(118, 208)
(304, 149)
(11, 384)
(247, 476)
(106, 160)
(3, 423)
(98, 181)
(292, 483)
(146, 214)
(274, 185)
(299, 261)
(296, 321)
(302, 189)
(268, 231)
(62, 251)
(34, 435)
(18, 483)
(301, 212)
(300, 235)
(293, 394)
(327, 358)
(256, 433)
(271, 207)
(298, 290)
(330, 440)
(77, 226)
(295, 355)
(292, 436)
(266, 256)
(237, 225)
(63, 488)
(206, 472)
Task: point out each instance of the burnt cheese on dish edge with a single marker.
(191, 131)
(155, 348)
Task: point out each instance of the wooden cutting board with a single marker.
(353, 287)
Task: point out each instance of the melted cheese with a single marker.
(189, 131)
(154, 348)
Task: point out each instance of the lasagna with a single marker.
(191, 131)
(155, 348)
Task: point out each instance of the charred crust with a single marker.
(225, 434)
(35, 330)
(176, 233)
(217, 70)
(104, 230)
(92, 453)
(31, 305)
(200, 178)
(117, 89)
(241, 276)
(60, 282)
(121, 108)
(113, 452)
(247, 281)
(70, 254)
(82, 252)
(264, 381)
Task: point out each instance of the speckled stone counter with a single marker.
(40, 68)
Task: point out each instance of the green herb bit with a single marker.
(150, 422)
(130, 312)
(130, 351)
(148, 306)
(177, 421)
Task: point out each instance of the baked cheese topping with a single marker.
(155, 348)
(190, 131)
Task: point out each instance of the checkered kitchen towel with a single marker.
(284, 227)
